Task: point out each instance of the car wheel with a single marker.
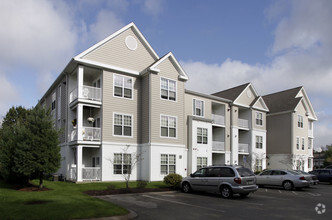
(244, 194)
(261, 186)
(226, 192)
(288, 185)
(186, 187)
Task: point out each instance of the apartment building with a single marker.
(119, 99)
(290, 130)
(248, 126)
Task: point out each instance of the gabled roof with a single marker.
(232, 93)
(131, 25)
(283, 101)
(153, 68)
(259, 101)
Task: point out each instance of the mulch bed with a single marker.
(29, 188)
(123, 191)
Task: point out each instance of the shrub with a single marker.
(173, 179)
(141, 184)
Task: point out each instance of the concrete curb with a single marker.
(130, 215)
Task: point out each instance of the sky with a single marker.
(275, 45)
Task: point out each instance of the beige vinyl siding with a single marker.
(243, 99)
(165, 107)
(207, 115)
(254, 125)
(145, 102)
(234, 115)
(119, 105)
(116, 53)
(300, 132)
(279, 134)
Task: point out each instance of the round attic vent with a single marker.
(131, 42)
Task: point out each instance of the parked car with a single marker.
(227, 180)
(323, 175)
(314, 180)
(328, 167)
(288, 179)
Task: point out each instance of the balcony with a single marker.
(218, 146)
(88, 134)
(243, 148)
(87, 93)
(243, 123)
(91, 173)
(218, 119)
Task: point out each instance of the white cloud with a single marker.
(107, 23)
(37, 33)
(8, 95)
(153, 7)
(301, 56)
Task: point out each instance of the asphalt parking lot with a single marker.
(266, 203)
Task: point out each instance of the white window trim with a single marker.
(176, 89)
(132, 87)
(297, 138)
(201, 165)
(122, 164)
(259, 136)
(298, 116)
(176, 127)
(168, 154)
(132, 124)
(261, 113)
(207, 135)
(193, 107)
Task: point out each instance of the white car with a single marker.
(288, 179)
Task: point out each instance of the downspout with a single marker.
(231, 133)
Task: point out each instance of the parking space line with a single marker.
(314, 194)
(294, 193)
(279, 191)
(182, 203)
(265, 190)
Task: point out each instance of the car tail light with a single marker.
(302, 178)
(237, 180)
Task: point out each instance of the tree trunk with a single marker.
(41, 181)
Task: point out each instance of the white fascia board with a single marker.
(308, 102)
(266, 109)
(106, 66)
(241, 105)
(249, 85)
(131, 25)
(183, 74)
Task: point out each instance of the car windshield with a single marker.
(245, 172)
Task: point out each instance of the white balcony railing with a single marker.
(87, 92)
(88, 134)
(218, 146)
(91, 173)
(243, 148)
(243, 123)
(218, 119)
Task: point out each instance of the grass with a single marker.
(64, 201)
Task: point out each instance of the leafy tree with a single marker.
(328, 156)
(30, 148)
(11, 125)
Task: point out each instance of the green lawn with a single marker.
(64, 201)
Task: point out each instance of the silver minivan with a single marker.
(226, 179)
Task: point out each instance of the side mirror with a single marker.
(191, 175)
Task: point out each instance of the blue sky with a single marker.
(276, 45)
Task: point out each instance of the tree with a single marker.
(11, 126)
(129, 162)
(328, 156)
(32, 146)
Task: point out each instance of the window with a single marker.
(167, 163)
(198, 107)
(259, 166)
(297, 143)
(302, 143)
(123, 86)
(300, 121)
(201, 162)
(309, 163)
(168, 126)
(259, 142)
(122, 163)
(168, 89)
(309, 143)
(259, 118)
(202, 135)
(122, 125)
(53, 101)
